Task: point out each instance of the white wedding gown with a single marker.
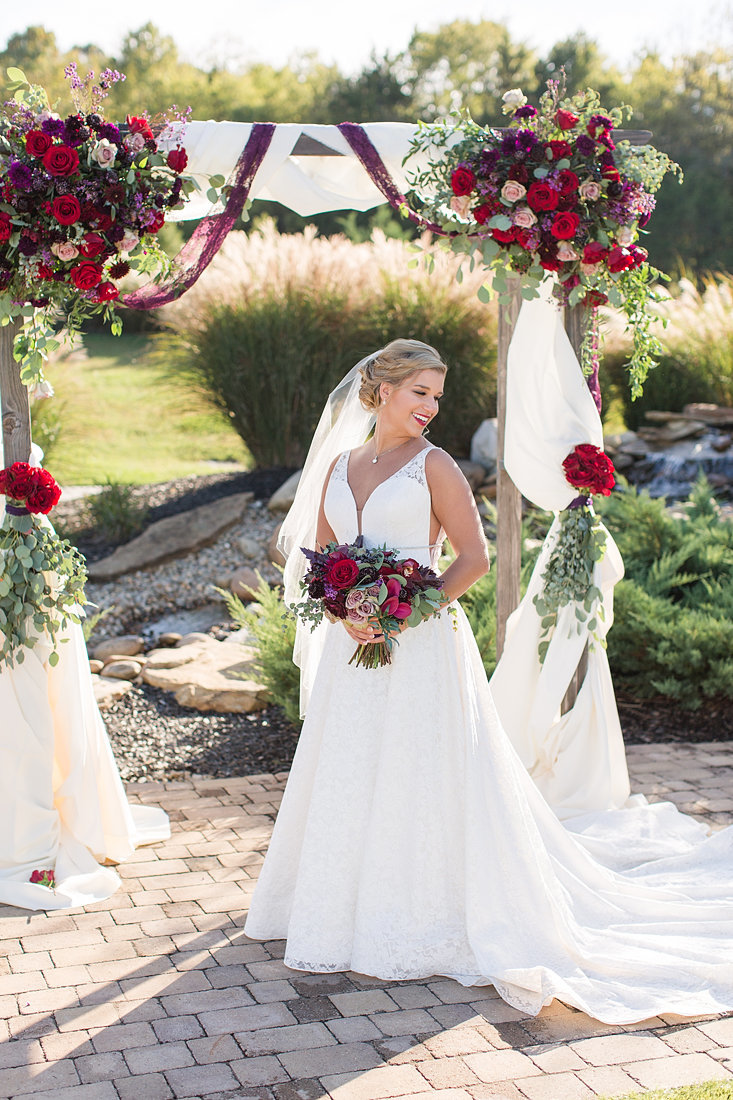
(411, 841)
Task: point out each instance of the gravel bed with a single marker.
(153, 737)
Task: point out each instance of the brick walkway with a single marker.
(158, 993)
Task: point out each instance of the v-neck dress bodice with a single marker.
(396, 513)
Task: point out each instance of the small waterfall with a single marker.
(672, 472)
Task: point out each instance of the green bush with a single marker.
(115, 512)
(677, 381)
(268, 348)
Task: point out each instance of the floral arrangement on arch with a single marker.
(580, 544)
(551, 195)
(81, 203)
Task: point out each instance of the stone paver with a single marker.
(157, 994)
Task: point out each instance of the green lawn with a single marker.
(123, 418)
(713, 1090)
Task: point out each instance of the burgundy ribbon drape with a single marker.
(208, 237)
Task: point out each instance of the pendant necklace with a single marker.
(389, 450)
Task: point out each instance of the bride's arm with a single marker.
(455, 509)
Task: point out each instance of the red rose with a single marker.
(462, 181)
(566, 120)
(6, 227)
(92, 245)
(594, 253)
(17, 481)
(157, 223)
(565, 226)
(66, 209)
(524, 238)
(61, 160)
(571, 281)
(587, 468)
(550, 262)
(619, 259)
(342, 573)
(177, 159)
(139, 125)
(44, 271)
(559, 149)
(45, 494)
(609, 172)
(86, 275)
(638, 255)
(568, 181)
(596, 298)
(542, 197)
(504, 236)
(107, 291)
(37, 143)
(483, 213)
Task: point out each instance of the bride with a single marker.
(411, 841)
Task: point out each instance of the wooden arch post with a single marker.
(16, 415)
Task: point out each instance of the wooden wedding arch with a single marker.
(16, 421)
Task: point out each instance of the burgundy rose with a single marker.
(638, 255)
(106, 292)
(462, 181)
(156, 222)
(92, 245)
(565, 225)
(483, 212)
(619, 259)
(599, 125)
(17, 481)
(609, 172)
(177, 159)
(343, 573)
(45, 494)
(590, 470)
(86, 275)
(37, 143)
(44, 271)
(61, 160)
(504, 236)
(66, 209)
(541, 196)
(559, 149)
(6, 227)
(549, 260)
(568, 181)
(566, 120)
(594, 252)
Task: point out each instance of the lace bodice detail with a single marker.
(396, 513)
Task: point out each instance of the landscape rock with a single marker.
(672, 432)
(107, 691)
(485, 444)
(170, 638)
(127, 645)
(96, 666)
(193, 636)
(250, 547)
(715, 415)
(281, 500)
(273, 554)
(172, 537)
(217, 676)
(122, 670)
(244, 583)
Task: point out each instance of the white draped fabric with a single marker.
(306, 184)
(62, 803)
(577, 760)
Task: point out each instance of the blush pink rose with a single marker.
(524, 217)
(566, 252)
(513, 191)
(590, 190)
(624, 236)
(65, 250)
(460, 205)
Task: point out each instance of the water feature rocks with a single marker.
(281, 500)
(125, 645)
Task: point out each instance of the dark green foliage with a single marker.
(274, 631)
(116, 513)
(677, 381)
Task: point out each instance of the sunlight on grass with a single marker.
(124, 419)
(710, 1090)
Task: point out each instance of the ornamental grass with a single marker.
(278, 319)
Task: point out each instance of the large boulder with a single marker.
(125, 645)
(172, 537)
(208, 675)
(281, 500)
(485, 444)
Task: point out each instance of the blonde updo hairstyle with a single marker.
(395, 363)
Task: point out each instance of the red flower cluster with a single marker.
(30, 485)
(549, 191)
(588, 469)
(44, 878)
(76, 192)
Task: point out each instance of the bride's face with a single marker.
(411, 406)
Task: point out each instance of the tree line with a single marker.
(687, 103)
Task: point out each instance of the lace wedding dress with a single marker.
(412, 842)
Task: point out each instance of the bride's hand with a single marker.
(363, 635)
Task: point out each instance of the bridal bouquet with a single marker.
(581, 542)
(41, 576)
(362, 585)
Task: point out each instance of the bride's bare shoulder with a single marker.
(441, 467)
